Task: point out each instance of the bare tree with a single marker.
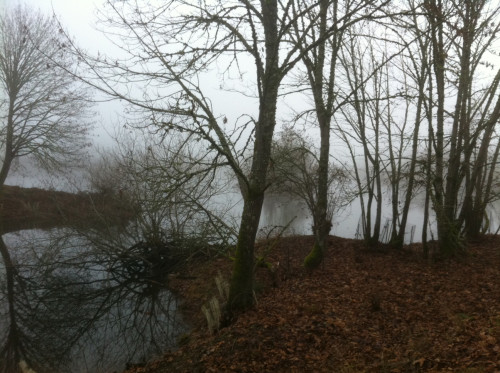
(320, 54)
(42, 106)
(171, 186)
(462, 34)
(414, 69)
(168, 48)
(294, 172)
(444, 47)
(364, 133)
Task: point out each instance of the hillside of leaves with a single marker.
(362, 311)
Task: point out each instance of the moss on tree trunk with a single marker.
(315, 257)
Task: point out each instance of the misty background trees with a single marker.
(403, 95)
(44, 109)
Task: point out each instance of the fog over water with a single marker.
(278, 212)
(81, 20)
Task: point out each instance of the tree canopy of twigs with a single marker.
(44, 109)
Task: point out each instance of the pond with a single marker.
(74, 301)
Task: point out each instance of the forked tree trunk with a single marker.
(399, 240)
(448, 234)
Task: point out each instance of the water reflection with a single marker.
(282, 212)
(74, 302)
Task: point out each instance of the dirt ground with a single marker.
(362, 311)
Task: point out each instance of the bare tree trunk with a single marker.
(448, 235)
(376, 163)
(399, 241)
(428, 165)
(459, 140)
(241, 285)
(468, 15)
(321, 225)
(365, 120)
(342, 16)
(428, 192)
(478, 187)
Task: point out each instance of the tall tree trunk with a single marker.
(399, 241)
(376, 165)
(241, 287)
(448, 236)
(241, 284)
(428, 188)
(322, 225)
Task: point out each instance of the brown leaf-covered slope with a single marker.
(363, 311)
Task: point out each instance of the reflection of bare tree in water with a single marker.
(95, 299)
(26, 328)
(98, 302)
(12, 349)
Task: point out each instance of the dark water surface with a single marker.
(76, 302)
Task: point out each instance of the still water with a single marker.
(294, 215)
(281, 211)
(81, 302)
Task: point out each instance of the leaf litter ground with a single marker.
(362, 311)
